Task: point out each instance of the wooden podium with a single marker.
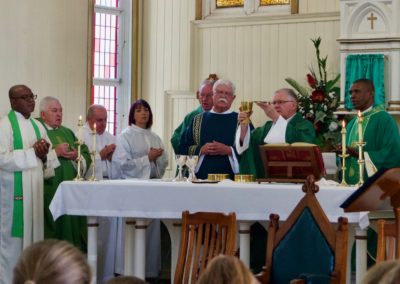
(291, 162)
(375, 194)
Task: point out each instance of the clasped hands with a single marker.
(107, 152)
(215, 148)
(64, 150)
(41, 148)
(154, 153)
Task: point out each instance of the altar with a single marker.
(141, 200)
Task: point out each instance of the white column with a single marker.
(174, 228)
(361, 253)
(92, 245)
(128, 246)
(244, 237)
(139, 248)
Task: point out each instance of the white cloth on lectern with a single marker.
(108, 226)
(277, 133)
(131, 160)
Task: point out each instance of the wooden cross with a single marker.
(372, 19)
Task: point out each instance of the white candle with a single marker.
(360, 119)
(94, 137)
(343, 138)
(80, 124)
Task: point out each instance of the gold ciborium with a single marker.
(246, 106)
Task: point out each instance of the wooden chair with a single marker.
(387, 234)
(204, 236)
(306, 246)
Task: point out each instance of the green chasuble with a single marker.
(297, 130)
(70, 228)
(177, 135)
(381, 134)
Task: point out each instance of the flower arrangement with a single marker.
(319, 100)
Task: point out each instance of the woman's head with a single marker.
(225, 269)
(386, 272)
(52, 261)
(140, 114)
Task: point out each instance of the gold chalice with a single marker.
(247, 107)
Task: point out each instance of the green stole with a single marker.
(353, 172)
(17, 229)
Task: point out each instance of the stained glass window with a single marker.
(274, 2)
(105, 63)
(229, 3)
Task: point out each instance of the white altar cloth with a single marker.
(148, 199)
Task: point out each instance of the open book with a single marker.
(292, 162)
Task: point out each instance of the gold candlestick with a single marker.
(360, 145)
(93, 153)
(79, 143)
(343, 155)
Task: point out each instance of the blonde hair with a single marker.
(126, 280)
(225, 269)
(52, 261)
(385, 272)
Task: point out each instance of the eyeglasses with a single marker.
(27, 97)
(280, 102)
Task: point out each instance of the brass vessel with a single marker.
(218, 177)
(244, 178)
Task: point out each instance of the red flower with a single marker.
(318, 96)
(317, 126)
(311, 81)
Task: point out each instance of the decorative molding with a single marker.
(263, 20)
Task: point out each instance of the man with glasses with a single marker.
(286, 126)
(26, 159)
(204, 95)
(211, 134)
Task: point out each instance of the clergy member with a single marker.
(211, 134)
(107, 242)
(204, 94)
(140, 154)
(25, 159)
(379, 131)
(286, 126)
(69, 228)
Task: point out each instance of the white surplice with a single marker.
(108, 226)
(130, 160)
(33, 173)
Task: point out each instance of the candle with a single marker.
(343, 138)
(80, 124)
(360, 119)
(94, 137)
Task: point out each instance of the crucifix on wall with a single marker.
(372, 18)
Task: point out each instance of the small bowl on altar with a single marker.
(244, 178)
(218, 177)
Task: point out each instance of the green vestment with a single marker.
(297, 130)
(381, 135)
(177, 135)
(70, 228)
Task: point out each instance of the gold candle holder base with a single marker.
(244, 178)
(93, 156)
(217, 177)
(344, 156)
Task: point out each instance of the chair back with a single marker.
(306, 245)
(387, 234)
(204, 236)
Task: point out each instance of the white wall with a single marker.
(43, 45)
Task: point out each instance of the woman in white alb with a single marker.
(140, 154)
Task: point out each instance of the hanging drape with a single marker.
(367, 66)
